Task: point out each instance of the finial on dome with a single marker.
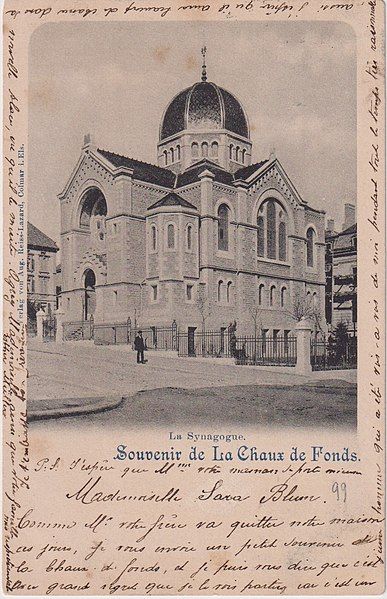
(204, 67)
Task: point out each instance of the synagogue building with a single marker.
(206, 237)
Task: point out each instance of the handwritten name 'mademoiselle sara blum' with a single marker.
(243, 453)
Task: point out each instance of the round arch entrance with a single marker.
(89, 300)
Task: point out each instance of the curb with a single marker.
(71, 407)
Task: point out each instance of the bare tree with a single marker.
(303, 308)
(203, 308)
(256, 313)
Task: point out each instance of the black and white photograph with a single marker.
(194, 304)
(192, 235)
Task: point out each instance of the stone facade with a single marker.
(204, 239)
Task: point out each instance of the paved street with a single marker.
(156, 393)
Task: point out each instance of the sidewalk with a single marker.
(74, 378)
(58, 408)
(81, 369)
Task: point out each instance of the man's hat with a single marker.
(140, 332)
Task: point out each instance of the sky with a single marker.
(296, 81)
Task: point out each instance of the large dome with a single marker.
(204, 106)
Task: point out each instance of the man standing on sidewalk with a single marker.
(139, 346)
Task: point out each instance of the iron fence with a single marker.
(155, 337)
(266, 351)
(216, 344)
(328, 353)
(78, 330)
(112, 333)
(49, 328)
(274, 351)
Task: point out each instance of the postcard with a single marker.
(194, 298)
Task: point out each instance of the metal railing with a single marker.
(155, 337)
(274, 351)
(78, 330)
(216, 344)
(328, 353)
(49, 328)
(267, 351)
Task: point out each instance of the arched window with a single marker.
(189, 237)
(261, 236)
(214, 149)
(283, 297)
(172, 155)
(271, 230)
(272, 295)
(93, 209)
(243, 156)
(195, 149)
(228, 292)
(237, 154)
(308, 299)
(261, 290)
(205, 149)
(282, 241)
(223, 223)
(177, 152)
(171, 236)
(154, 238)
(310, 246)
(314, 300)
(231, 151)
(220, 285)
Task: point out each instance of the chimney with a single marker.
(349, 216)
(331, 225)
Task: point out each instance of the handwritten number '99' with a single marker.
(340, 490)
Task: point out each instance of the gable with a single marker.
(88, 167)
(272, 174)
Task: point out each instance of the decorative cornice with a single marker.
(261, 274)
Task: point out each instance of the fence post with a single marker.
(174, 334)
(303, 364)
(39, 324)
(59, 324)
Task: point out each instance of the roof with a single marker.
(204, 105)
(172, 199)
(191, 174)
(348, 231)
(37, 239)
(246, 171)
(144, 171)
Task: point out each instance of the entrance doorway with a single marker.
(89, 303)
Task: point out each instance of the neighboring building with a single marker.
(204, 236)
(341, 272)
(41, 268)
